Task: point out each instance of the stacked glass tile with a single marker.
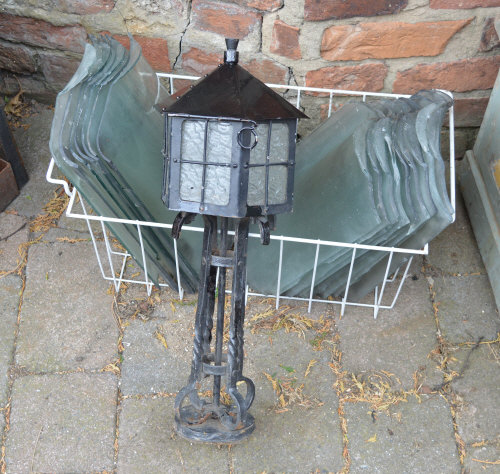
(371, 174)
(106, 138)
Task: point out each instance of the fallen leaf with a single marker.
(373, 439)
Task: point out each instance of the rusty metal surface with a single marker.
(10, 153)
(8, 186)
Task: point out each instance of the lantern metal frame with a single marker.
(244, 140)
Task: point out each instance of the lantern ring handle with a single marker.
(254, 133)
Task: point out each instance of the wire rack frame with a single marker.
(117, 271)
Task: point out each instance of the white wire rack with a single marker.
(113, 266)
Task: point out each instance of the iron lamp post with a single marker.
(229, 152)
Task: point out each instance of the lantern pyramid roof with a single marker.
(230, 91)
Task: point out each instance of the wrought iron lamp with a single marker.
(229, 151)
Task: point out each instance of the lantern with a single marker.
(229, 153)
(230, 146)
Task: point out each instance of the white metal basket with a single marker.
(116, 272)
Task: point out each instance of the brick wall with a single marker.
(376, 45)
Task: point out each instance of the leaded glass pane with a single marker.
(192, 145)
(278, 148)
(257, 175)
(219, 149)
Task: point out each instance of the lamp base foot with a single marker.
(210, 429)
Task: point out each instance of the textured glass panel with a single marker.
(258, 153)
(256, 186)
(277, 184)
(192, 149)
(219, 150)
(257, 175)
(278, 153)
(280, 141)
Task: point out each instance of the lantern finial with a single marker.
(231, 55)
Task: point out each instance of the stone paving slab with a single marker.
(56, 234)
(416, 438)
(398, 341)
(33, 144)
(281, 354)
(455, 249)
(2, 422)
(149, 367)
(478, 413)
(79, 225)
(148, 443)
(17, 228)
(467, 309)
(10, 286)
(66, 317)
(300, 439)
(489, 454)
(62, 423)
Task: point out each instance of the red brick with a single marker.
(57, 69)
(154, 50)
(458, 76)
(388, 39)
(364, 77)
(262, 5)
(317, 10)
(489, 37)
(285, 40)
(267, 71)
(463, 4)
(84, 7)
(16, 58)
(469, 112)
(200, 62)
(231, 21)
(41, 33)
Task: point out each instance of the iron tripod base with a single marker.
(223, 416)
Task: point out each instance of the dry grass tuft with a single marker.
(53, 211)
(380, 389)
(283, 318)
(290, 392)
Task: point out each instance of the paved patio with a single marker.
(88, 376)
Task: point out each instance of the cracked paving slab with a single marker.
(415, 437)
(477, 388)
(467, 309)
(10, 287)
(66, 317)
(62, 423)
(398, 341)
(14, 231)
